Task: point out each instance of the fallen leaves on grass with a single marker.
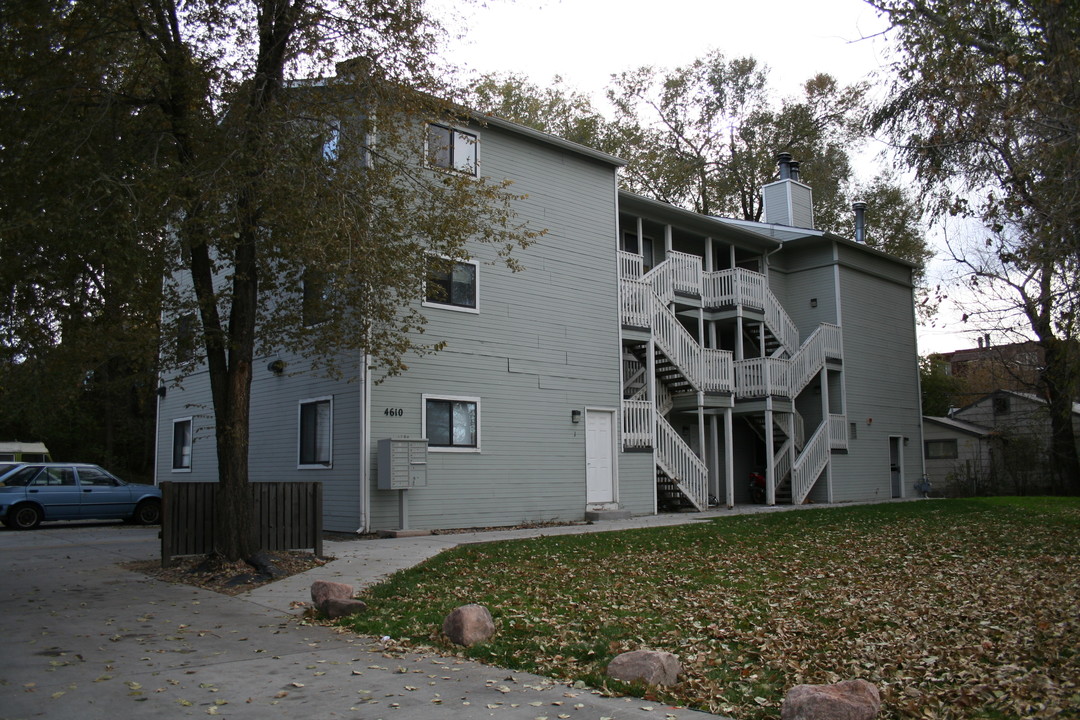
(952, 609)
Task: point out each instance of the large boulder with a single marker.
(336, 607)
(468, 625)
(848, 700)
(653, 667)
(323, 590)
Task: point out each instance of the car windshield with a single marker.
(21, 476)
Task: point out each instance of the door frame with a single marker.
(613, 416)
(896, 441)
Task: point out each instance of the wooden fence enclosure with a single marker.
(288, 516)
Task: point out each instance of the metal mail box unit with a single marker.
(402, 463)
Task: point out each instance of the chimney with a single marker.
(784, 161)
(860, 221)
(788, 201)
(987, 337)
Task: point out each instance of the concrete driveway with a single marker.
(83, 638)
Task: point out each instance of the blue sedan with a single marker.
(32, 492)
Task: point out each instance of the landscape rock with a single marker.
(336, 607)
(264, 564)
(468, 625)
(848, 700)
(323, 590)
(653, 667)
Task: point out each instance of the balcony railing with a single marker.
(707, 370)
(637, 424)
(838, 432)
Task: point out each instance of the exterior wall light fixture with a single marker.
(575, 416)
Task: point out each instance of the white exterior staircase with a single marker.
(683, 366)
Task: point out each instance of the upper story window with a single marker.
(453, 286)
(452, 149)
(315, 304)
(330, 141)
(1001, 405)
(181, 447)
(185, 337)
(316, 433)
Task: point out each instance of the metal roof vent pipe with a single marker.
(784, 161)
(794, 169)
(860, 221)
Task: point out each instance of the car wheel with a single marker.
(24, 517)
(148, 512)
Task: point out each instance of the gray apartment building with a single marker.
(645, 359)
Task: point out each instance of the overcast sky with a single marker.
(586, 41)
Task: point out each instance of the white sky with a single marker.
(586, 41)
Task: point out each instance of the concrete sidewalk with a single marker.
(364, 562)
(86, 638)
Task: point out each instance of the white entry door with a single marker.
(599, 461)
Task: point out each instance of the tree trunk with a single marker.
(235, 533)
(1057, 381)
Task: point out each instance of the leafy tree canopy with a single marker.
(203, 150)
(983, 108)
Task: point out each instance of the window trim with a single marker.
(190, 445)
(329, 464)
(450, 306)
(940, 441)
(449, 398)
(314, 298)
(453, 166)
(185, 350)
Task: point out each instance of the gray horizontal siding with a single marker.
(273, 450)
(881, 380)
(544, 342)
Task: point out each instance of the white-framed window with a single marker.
(451, 423)
(449, 148)
(316, 420)
(315, 300)
(330, 139)
(181, 445)
(185, 337)
(941, 450)
(455, 287)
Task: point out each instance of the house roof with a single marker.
(1031, 397)
(707, 225)
(787, 234)
(546, 138)
(959, 426)
(769, 236)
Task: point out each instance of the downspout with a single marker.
(365, 446)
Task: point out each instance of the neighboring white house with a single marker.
(999, 443)
(646, 357)
(959, 455)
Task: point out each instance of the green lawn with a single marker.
(953, 608)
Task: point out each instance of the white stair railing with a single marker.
(838, 432)
(739, 286)
(808, 466)
(631, 265)
(706, 370)
(678, 462)
(786, 377)
(637, 423)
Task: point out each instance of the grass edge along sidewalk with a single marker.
(954, 608)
